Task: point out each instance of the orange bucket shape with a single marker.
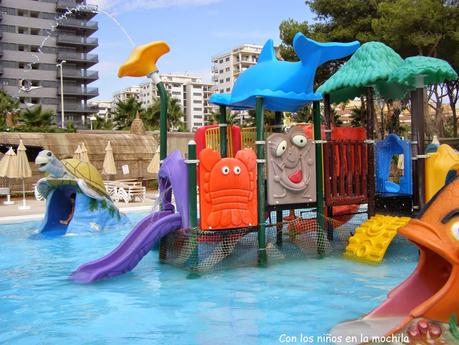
(227, 190)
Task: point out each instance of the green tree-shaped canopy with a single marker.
(433, 70)
(377, 65)
(371, 65)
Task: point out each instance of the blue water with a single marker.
(157, 304)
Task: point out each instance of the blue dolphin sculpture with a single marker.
(285, 86)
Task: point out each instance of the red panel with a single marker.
(227, 190)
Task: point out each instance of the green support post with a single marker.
(192, 162)
(162, 120)
(223, 128)
(319, 179)
(192, 207)
(260, 143)
(164, 101)
(278, 129)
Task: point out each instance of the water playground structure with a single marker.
(243, 193)
(76, 199)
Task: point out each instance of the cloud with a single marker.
(119, 6)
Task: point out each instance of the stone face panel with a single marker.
(291, 163)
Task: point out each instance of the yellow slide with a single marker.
(372, 238)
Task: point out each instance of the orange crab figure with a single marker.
(227, 190)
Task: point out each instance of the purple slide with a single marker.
(133, 248)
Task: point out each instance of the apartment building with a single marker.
(191, 92)
(38, 38)
(129, 92)
(102, 109)
(227, 66)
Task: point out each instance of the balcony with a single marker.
(73, 40)
(78, 24)
(70, 107)
(79, 74)
(88, 92)
(65, 5)
(88, 59)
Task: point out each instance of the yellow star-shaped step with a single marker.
(373, 237)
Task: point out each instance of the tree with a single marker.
(8, 108)
(174, 114)
(411, 27)
(124, 112)
(101, 123)
(36, 117)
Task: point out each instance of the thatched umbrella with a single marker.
(77, 153)
(24, 171)
(8, 168)
(153, 167)
(84, 153)
(109, 167)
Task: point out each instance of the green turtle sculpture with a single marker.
(76, 196)
(84, 173)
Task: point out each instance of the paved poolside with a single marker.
(11, 213)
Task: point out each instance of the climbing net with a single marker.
(300, 238)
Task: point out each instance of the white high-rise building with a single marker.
(131, 91)
(227, 66)
(191, 92)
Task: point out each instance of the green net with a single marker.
(204, 251)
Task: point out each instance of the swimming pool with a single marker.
(157, 304)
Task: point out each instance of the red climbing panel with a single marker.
(227, 190)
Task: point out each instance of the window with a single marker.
(227, 59)
(22, 13)
(221, 81)
(22, 30)
(21, 48)
(197, 109)
(221, 61)
(35, 32)
(228, 79)
(220, 71)
(34, 14)
(228, 89)
(196, 101)
(227, 69)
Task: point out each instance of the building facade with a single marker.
(102, 109)
(38, 38)
(227, 66)
(191, 92)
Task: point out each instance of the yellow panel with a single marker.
(142, 60)
(372, 238)
(438, 164)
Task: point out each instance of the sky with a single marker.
(195, 30)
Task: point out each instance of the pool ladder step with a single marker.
(373, 237)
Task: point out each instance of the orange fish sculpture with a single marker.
(227, 190)
(432, 290)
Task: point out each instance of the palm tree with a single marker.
(101, 123)
(233, 118)
(36, 117)
(8, 108)
(125, 111)
(174, 114)
(357, 115)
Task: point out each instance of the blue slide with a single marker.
(133, 248)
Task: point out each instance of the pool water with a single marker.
(157, 304)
